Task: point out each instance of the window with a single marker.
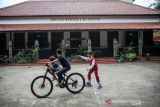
(19, 40)
(42, 37)
(2, 41)
(75, 39)
(56, 39)
(95, 38)
(148, 38)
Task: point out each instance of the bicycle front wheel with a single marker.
(75, 83)
(41, 86)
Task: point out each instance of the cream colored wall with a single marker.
(106, 19)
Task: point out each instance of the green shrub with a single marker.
(128, 54)
(131, 56)
(26, 57)
(4, 59)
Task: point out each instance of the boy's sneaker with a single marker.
(58, 84)
(61, 85)
(88, 84)
(99, 86)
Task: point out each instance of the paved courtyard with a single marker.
(124, 85)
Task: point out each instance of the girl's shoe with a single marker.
(99, 86)
(88, 84)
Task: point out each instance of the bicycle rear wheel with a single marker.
(75, 83)
(41, 87)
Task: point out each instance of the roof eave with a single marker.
(81, 15)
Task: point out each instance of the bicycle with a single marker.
(42, 86)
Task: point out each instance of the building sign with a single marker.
(75, 19)
(156, 35)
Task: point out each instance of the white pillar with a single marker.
(66, 37)
(12, 39)
(89, 45)
(7, 40)
(26, 40)
(121, 37)
(140, 43)
(37, 43)
(85, 34)
(115, 47)
(10, 50)
(63, 46)
(49, 40)
(37, 46)
(103, 38)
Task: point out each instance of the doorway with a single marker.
(2, 43)
(111, 36)
(19, 40)
(75, 39)
(132, 38)
(56, 39)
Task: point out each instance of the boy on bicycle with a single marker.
(93, 68)
(65, 66)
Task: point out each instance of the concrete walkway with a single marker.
(124, 85)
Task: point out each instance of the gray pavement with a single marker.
(134, 84)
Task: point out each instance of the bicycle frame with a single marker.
(52, 73)
(47, 71)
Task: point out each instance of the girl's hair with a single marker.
(59, 51)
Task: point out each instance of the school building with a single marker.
(76, 22)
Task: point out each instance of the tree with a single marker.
(156, 4)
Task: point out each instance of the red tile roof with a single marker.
(82, 26)
(78, 7)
